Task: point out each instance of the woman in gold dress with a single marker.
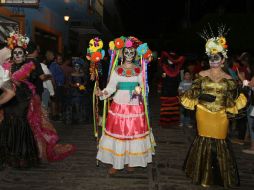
(210, 160)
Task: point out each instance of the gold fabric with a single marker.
(211, 162)
(211, 124)
(240, 103)
(210, 159)
(224, 90)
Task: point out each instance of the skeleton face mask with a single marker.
(215, 60)
(18, 55)
(129, 54)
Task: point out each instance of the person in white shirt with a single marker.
(48, 89)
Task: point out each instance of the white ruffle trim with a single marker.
(134, 153)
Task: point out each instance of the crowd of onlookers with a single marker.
(63, 85)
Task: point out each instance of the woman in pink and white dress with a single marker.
(127, 140)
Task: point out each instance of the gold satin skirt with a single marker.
(211, 124)
(210, 160)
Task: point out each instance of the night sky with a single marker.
(167, 20)
(163, 16)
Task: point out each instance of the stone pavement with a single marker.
(79, 172)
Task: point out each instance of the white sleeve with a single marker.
(111, 87)
(50, 88)
(4, 76)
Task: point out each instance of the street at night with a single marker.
(126, 95)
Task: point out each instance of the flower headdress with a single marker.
(215, 44)
(128, 42)
(17, 40)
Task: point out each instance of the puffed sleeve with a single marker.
(190, 98)
(235, 101)
(111, 87)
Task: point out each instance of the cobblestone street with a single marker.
(79, 172)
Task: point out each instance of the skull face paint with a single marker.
(77, 67)
(18, 55)
(215, 60)
(129, 54)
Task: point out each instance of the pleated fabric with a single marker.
(169, 110)
(211, 161)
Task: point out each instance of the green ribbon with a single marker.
(127, 85)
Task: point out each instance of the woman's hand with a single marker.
(100, 93)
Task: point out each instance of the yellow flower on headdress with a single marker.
(214, 50)
(222, 41)
(112, 45)
(10, 43)
(95, 44)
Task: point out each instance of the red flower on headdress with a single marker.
(119, 43)
(120, 71)
(135, 41)
(96, 57)
(148, 54)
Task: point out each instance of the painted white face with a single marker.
(129, 54)
(77, 67)
(215, 60)
(18, 55)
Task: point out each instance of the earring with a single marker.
(222, 65)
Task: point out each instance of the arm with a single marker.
(8, 92)
(111, 87)
(190, 98)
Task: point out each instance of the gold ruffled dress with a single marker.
(210, 160)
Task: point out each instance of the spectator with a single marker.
(37, 76)
(185, 117)
(58, 76)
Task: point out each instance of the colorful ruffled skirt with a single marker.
(169, 111)
(126, 140)
(210, 160)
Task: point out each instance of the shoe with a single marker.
(112, 171)
(130, 169)
(248, 151)
(237, 141)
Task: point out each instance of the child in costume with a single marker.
(210, 160)
(185, 114)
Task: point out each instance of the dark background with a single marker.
(174, 25)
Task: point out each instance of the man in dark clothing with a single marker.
(53, 64)
(37, 76)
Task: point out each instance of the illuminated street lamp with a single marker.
(66, 18)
